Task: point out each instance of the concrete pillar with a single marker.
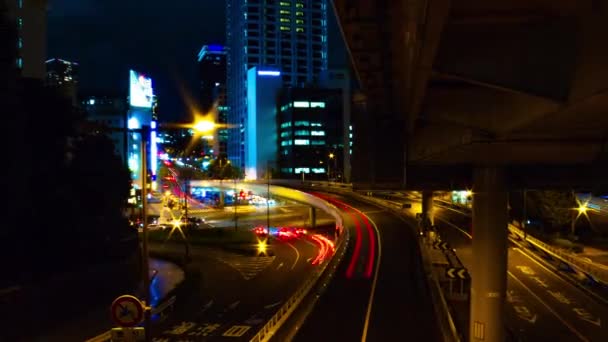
(489, 273)
(427, 207)
(313, 217)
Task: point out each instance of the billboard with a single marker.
(140, 90)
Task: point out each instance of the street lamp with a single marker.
(331, 156)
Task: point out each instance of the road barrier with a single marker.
(440, 304)
(281, 316)
(598, 272)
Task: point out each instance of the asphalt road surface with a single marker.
(541, 305)
(387, 301)
(236, 294)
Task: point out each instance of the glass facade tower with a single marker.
(287, 35)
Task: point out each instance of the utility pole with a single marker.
(145, 131)
(236, 202)
(268, 196)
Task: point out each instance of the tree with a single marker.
(222, 168)
(553, 207)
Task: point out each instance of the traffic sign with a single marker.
(127, 311)
(457, 272)
(440, 245)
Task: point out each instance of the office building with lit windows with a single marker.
(310, 133)
(30, 18)
(212, 76)
(285, 35)
(63, 76)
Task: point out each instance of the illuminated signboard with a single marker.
(140, 90)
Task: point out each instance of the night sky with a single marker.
(108, 37)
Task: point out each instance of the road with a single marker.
(386, 301)
(236, 294)
(540, 304)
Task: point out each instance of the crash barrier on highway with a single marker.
(440, 304)
(281, 316)
(596, 271)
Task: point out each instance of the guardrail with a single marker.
(439, 302)
(597, 271)
(281, 316)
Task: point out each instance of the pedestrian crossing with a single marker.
(247, 266)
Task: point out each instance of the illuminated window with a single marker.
(286, 143)
(350, 127)
(299, 21)
(20, 23)
(284, 4)
(301, 104)
(299, 5)
(20, 63)
(318, 133)
(301, 132)
(317, 105)
(285, 134)
(285, 12)
(285, 28)
(301, 142)
(285, 20)
(19, 3)
(318, 142)
(299, 29)
(19, 43)
(301, 169)
(286, 124)
(315, 124)
(302, 123)
(350, 135)
(299, 14)
(318, 170)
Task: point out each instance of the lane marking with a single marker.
(455, 226)
(270, 306)
(236, 331)
(571, 328)
(375, 281)
(554, 273)
(280, 265)
(297, 255)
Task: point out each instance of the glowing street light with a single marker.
(262, 247)
(204, 126)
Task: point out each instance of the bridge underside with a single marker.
(448, 86)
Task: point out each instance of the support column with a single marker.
(313, 217)
(427, 208)
(489, 273)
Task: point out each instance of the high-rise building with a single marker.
(63, 75)
(109, 110)
(261, 131)
(212, 73)
(310, 130)
(285, 35)
(30, 18)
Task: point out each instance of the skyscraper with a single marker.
(63, 75)
(288, 35)
(30, 18)
(212, 73)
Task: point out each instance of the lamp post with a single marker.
(331, 156)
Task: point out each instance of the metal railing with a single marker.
(440, 304)
(598, 271)
(281, 316)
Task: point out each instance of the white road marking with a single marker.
(564, 322)
(280, 265)
(297, 255)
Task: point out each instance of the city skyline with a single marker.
(96, 34)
